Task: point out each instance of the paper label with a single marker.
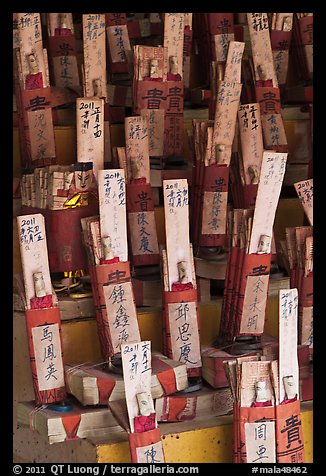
(65, 71)
(150, 454)
(90, 132)
(142, 228)
(273, 130)
(118, 40)
(112, 205)
(184, 333)
(254, 306)
(214, 213)
(260, 442)
(48, 357)
(306, 336)
(121, 314)
(41, 134)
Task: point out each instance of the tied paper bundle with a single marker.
(213, 149)
(267, 419)
(180, 314)
(62, 50)
(92, 384)
(303, 30)
(76, 423)
(33, 92)
(267, 90)
(206, 403)
(136, 412)
(42, 312)
(249, 260)
(64, 195)
(105, 239)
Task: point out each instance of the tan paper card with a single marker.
(30, 42)
(143, 234)
(41, 134)
(260, 442)
(176, 211)
(137, 370)
(305, 192)
(227, 104)
(254, 306)
(184, 333)
(261, 47)
(214, 213)
(306, 336)
(90, 132)
(94, 54)
(34, 252)
(48, 358)
(155, 121)
(118, 40)
(121, 314)
(151, 453)
(173, 39)
(288, 339)
(269, 188)
(233, 61)
(136, 135)
(112, 204)
(251, 137)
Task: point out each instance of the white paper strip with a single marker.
(305, 191)
(137, 370)
(112, 205)
(90, 132)
(94, 54)
(288, 339)
(268, 193)
(34, 252)
(176, 210)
